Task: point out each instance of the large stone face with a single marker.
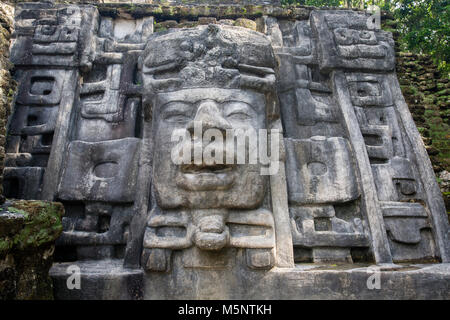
(221, 109)
(101, 97)
(210, 80)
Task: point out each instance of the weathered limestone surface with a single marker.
(28, 230)
(103, 87)
(306, 281)
(7, 85)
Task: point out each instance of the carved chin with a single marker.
(237, 188)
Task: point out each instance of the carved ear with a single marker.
(147, 109)
(272, 107)
(140, 63)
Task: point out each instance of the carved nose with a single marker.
(210, 117)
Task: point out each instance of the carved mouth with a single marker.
(217, 168)
(206, 178)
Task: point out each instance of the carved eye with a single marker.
(177, 112)
(342, 33)
(48, 30)
(42, 85)
(238, 111)
(317, 168)
(362, 92)
(365, 35)
(238, 115)
(106, 169)
(176, 117)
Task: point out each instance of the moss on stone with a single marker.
(186, 10)
(42, 224)
(5, 245)
(7, 84)
(245, 23)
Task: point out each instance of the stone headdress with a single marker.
(205, 57)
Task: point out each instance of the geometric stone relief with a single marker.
(34, 122)
(396, 180)
(367, 90)
(197, 213)
(106, 112)
(169, 231)
(308, 108)
(344, 41)
(41, 87)
(316, 167)
(322, 179)
(23, 183)
(94, 231)
(328, 235)
(49, 44)
(101, 99)
(394, 173)
(49, 36)
(100, 96)
(409, 231)
(100, 171)
(106, 124)
(317, 173)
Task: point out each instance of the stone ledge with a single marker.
(161, 11)
(106, 280)
(397, 282)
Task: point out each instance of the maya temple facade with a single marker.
(101, 88)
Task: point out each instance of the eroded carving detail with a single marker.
(345, 41)
(393, 168)
(221, 77)
(99, 98)
(49, 44)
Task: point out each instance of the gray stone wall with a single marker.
(101, 88)
(28, 229)
(7, 85)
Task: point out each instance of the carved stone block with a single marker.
(22, 183)
(108, 174)
(368, 90)
(41, 87)
(102, 98)
(320, 170)
(409, 231)
(345, 41)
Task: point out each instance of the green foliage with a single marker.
(42, 224)
(425, 28)
(383, 4)
(316, 3)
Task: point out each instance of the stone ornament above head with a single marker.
(213, 56)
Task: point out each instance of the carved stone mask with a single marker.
(218, 76)
(206, 185)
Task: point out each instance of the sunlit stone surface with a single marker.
(98, 101)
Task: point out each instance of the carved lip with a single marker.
(206, 178)
(216, 169)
